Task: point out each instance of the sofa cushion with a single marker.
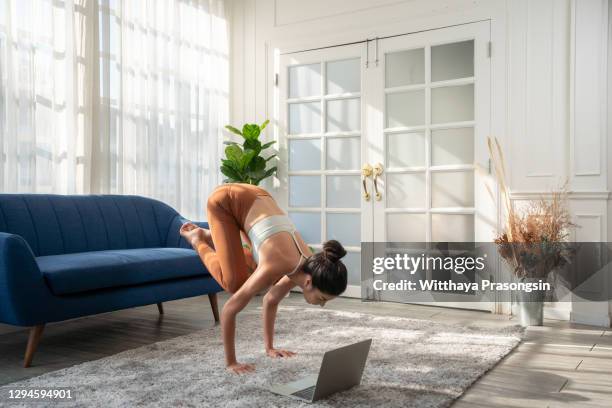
(86, 271)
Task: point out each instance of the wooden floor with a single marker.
(558, 365)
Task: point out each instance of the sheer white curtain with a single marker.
(45, 95)
(163, 99)
(112, 96)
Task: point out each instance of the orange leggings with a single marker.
(227, 209)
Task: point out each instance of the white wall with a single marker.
(588, 143)
(549, 84)
(609, 134)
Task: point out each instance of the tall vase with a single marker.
(531, 305)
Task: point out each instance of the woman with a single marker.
(282, 258)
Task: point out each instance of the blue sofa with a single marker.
(63, 257)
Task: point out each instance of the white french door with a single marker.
(428, 120)
(321, 150)
(415, 110)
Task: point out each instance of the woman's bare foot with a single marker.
(196, 235)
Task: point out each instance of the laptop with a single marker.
(340, 370)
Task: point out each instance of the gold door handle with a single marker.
(377, 171)
(366, 171)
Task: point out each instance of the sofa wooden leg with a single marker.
(214, 305)
(160, 307)
(33, 340)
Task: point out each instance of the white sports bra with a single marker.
(269, 226)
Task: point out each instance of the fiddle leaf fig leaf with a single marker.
(229, 163)
(251, 131)
(230, 173)
(233, 130)
(234, 153)
(257, 164)
(253, 144)
(247, 158)
(267, 174)
(265, 146)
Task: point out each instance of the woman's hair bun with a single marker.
(328, 272)
(333, 250)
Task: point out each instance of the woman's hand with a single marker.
(279, 353)
(238, 368)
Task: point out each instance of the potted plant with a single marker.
(243, 162)
(533, 241)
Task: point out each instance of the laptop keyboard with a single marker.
(306, 393)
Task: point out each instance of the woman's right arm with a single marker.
(257, 282)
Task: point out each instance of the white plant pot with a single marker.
(531, 306)
(532, 313)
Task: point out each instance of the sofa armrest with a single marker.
(22, 287)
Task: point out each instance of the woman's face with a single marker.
(314, 296)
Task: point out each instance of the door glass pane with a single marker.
(305, 154)
(452, 146)
(405, 150)
(305, 117)
(343, 76)
(452, 61)
(406, 227)
(452, 189)
(406, 190)
(452, 104)
(405, 68)
(352, 261)
(343, 153)
(406, 109)
(343, 191)
(452, 228)
(345, 228)
(308, 225)
(305, 191)
(343, 115)
(305, 81)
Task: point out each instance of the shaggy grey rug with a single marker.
(412, 363)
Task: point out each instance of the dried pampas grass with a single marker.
(534, 238)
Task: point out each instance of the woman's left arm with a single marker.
(270, 306)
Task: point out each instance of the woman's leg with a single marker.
(226, 263)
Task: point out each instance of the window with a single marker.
(138, 112)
